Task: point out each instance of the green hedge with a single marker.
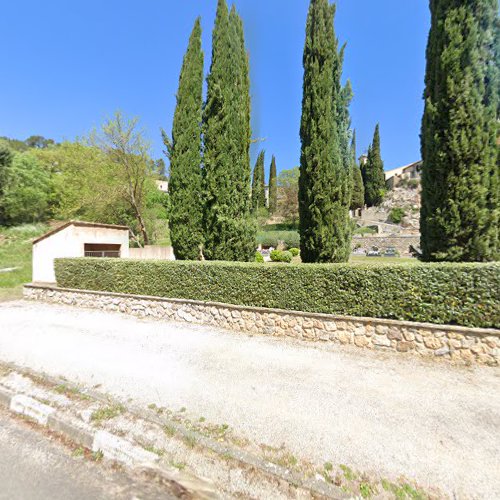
(274, 238)
(460, 294)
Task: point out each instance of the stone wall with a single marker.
(456, 344)
(400, 243)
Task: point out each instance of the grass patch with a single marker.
(365, 230)
(106, 413)
(348, 472)
(15, 252)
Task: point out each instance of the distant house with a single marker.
(162, 186)
(394, 177)
(77, 239)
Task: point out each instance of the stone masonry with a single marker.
(451, 343)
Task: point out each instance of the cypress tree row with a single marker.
(229, 230)
(324, 195)
(373, 173)
(358, 189)
(273, 187)
(258, 184)
(184, 151)
(460, 191)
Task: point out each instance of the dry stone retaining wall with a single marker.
(458, 344)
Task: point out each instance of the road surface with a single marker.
(35, 466)
(385, 414)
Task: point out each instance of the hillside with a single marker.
(399, 213)
(15, 258)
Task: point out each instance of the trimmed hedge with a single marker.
(458, 294)
(274, 238)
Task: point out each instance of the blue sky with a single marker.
(66, 66)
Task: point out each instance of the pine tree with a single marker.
(273, 187)
(358, 189)
(373, 173)
(228, 227)
(324, 196)
(460, 190)
(258, 184)
(186, 231)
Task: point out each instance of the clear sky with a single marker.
(67, 65)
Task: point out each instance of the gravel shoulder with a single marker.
(431, 422)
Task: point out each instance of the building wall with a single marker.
(69, 242)
(152, 252)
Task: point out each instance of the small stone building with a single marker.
(77, 239)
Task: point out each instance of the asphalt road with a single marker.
(35, 466)
(386, 414)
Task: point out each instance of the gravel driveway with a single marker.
(436, 424)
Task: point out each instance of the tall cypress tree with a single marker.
(273, 187)
(229, 231)
(358, 189)
(258, 183)
(186, 231)
(324, 197)
(460, 191)
(373, 173)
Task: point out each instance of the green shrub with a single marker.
(366, 230)
(281, 256)
(259, 257)
(294, 251)
(460, 294)
(274, 238)
(396, 215)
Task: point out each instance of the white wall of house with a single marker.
(152, 252)
(70, 242)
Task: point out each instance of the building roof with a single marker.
(80, 224)
(399, 170)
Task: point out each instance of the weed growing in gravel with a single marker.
(328, 466)
(97, 456)
(169, 430)
(348, 472)
(106, 413)
(189, 441)
(70, 392)
(178, 465)
(79, 452)
(157, 451)
(404, 491)
(365, 490)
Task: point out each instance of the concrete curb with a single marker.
(111, 446)
(121, 450)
